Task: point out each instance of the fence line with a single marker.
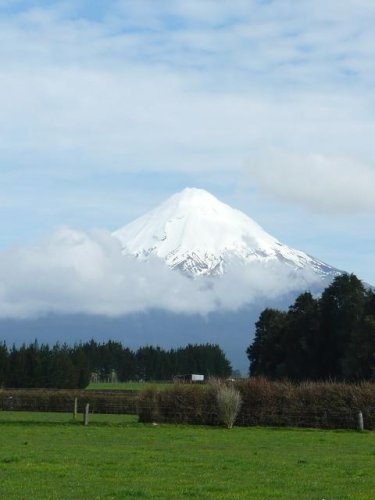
(320, 417)
(198, 406)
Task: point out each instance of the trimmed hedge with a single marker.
(309, 404)
(52, 400)
(265, 403)
(179, 404)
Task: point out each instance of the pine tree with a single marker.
(342, 307)
(301, 340)
(331, 337)
(359, 361)
(267, 352)
(4, 364)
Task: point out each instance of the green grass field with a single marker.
(47, 456)
(129, 386)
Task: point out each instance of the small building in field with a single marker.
(190, 378)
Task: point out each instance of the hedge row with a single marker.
(265, 403)
(122, 402)
(180, 404)
(310, 404)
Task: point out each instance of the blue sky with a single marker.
(107, 108)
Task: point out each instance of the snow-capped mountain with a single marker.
(239, 270)
(196, 233)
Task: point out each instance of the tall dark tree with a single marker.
(4, 364)
(152, 363)
(127, 369)
(301, 339)
(205, 359)
(17, 376)
(267, 353)
(342, 307)
(328, 338)
(81, 367)
(359, 361)
(63, 373)
(370, 303)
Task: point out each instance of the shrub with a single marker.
(229, 403)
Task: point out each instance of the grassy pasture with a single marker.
(47, 456)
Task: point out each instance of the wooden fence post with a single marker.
(360, 421)
(75, 408)
(86, 415)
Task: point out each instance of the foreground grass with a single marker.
(129, 386)
(48, 456)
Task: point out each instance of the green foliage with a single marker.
(342, 307)
(266, 352)
(68, 367)
(154, 363)
(151, 363)
(359, 360)
(41, 366)
(103, 358)
(4, 363)
(318, 339)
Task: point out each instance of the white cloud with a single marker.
(197, 92)
(76, 272)
(322, 183)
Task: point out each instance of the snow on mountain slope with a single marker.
(196, 233)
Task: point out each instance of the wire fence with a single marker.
(182, 411)
(116, 402)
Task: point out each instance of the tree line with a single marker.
(331, 337)
(63, 366)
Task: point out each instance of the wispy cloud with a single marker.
(322, 183)
(182, 85)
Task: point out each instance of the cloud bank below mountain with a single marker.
(72, 271)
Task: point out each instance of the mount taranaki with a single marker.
(196, 236)
(192, 231)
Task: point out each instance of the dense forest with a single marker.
(331, 337)
(63, 366)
